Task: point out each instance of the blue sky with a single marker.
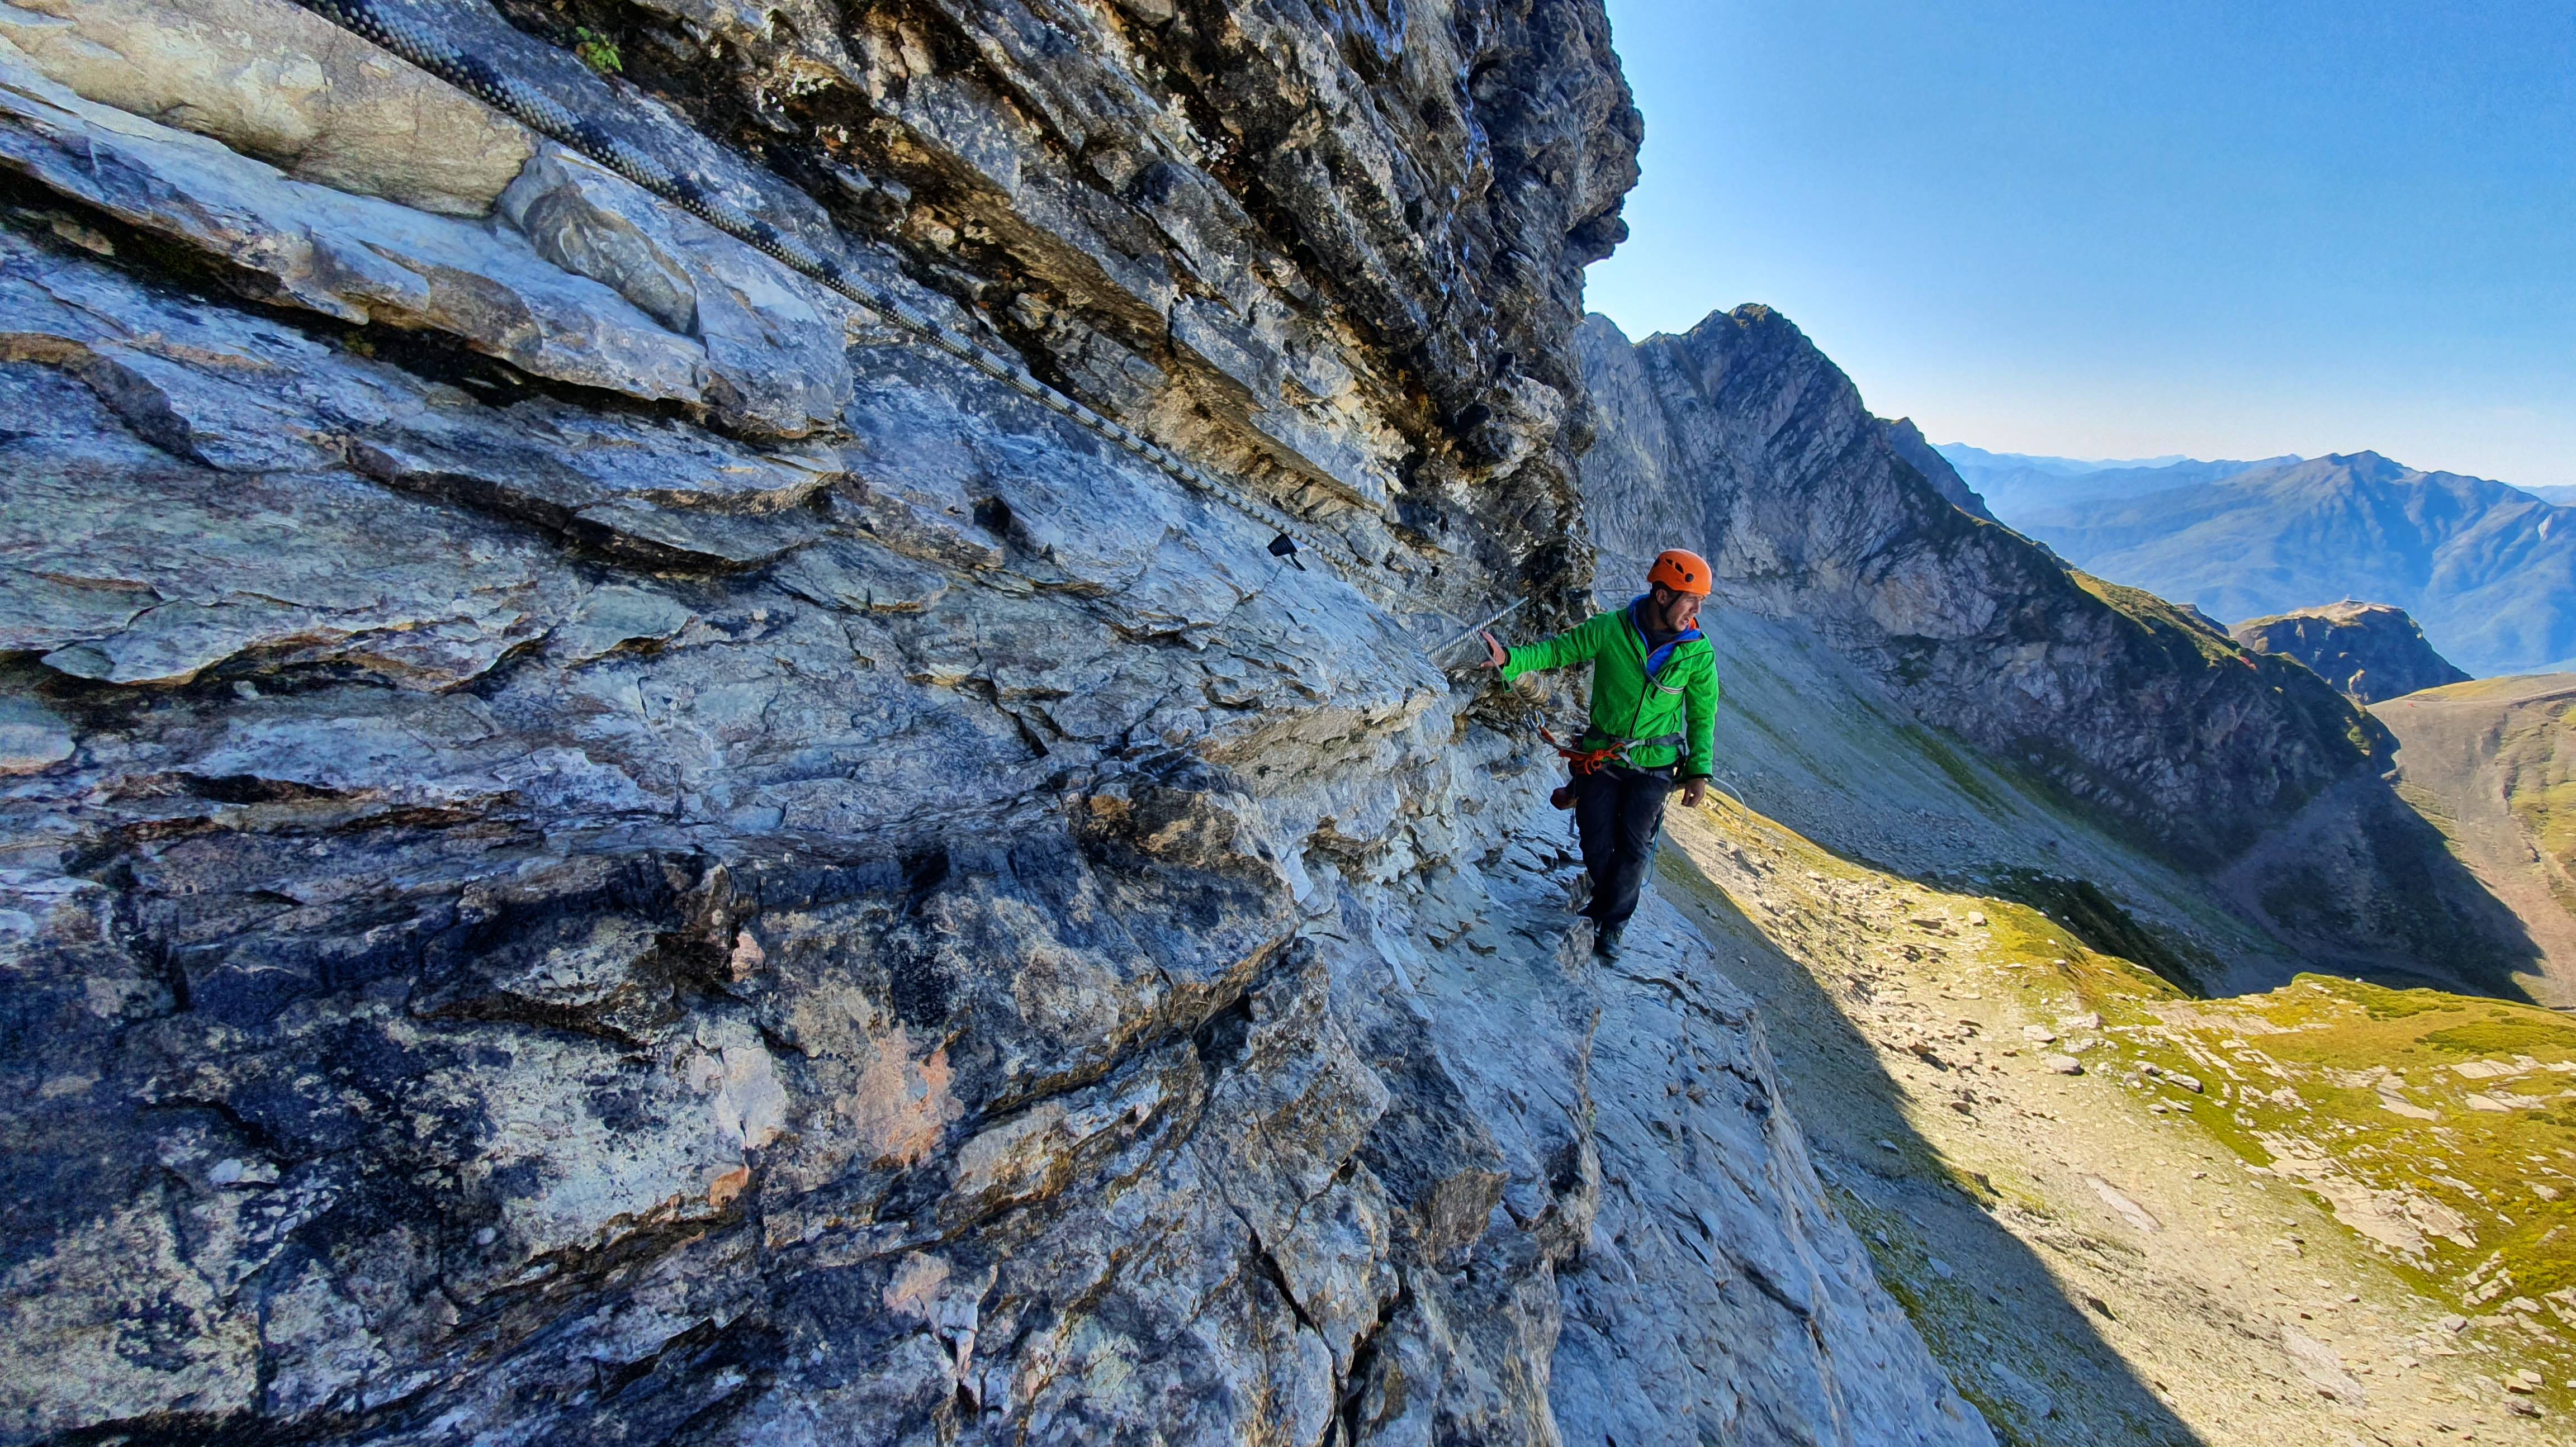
(2120, 230)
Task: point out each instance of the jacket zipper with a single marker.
(1646, 681)
(1629, 630)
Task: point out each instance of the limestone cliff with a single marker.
(2370, 651)
(597, 847)
(1742, 437)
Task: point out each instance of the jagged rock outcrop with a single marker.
(1742, 437)
(2370, 651)
(1910, 444)
(597, 848)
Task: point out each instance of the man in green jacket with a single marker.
(1654, 718)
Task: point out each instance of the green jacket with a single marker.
(1681, 697)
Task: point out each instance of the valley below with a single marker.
(2121, 1208)
(2490, 762)
(2119, 1216)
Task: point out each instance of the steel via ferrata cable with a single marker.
(390, 31)
(543, 114)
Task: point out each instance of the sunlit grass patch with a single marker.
(2440, 1128)
(2538, 756)
(2501, 1033)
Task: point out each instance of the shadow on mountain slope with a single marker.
(1931, 1223)
(2120, 1213)
(2489, 763)
(2359, 883)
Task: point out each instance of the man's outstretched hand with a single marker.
(1495, 656)
(1693, 792)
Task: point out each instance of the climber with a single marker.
(1654, 716)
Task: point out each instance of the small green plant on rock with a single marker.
(597, 51)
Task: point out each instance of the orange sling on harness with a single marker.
(1586, 762)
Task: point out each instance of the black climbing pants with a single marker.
(1618, 810)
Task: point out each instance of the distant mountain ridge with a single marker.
(1970, 460)
(2488, 570)
(2014, 483)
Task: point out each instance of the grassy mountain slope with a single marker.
(2114, 1256)
(2492, 764)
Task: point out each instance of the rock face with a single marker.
(596, 849)
(2370, 651)
(1909, 443)
(1741, 438)
(284, 86)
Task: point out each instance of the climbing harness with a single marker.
(1585, 761)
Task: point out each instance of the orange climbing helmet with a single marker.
(1681, 570)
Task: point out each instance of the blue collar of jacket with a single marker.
(1656, 660)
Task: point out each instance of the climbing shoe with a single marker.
(1606, 944)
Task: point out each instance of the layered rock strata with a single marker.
(598, 850)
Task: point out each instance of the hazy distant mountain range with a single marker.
(2013, 482)
(2488, 570)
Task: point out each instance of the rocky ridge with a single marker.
(596, 846)
(1910, 444)
(1743, 437)
(2370, 651)
(2242, 766)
